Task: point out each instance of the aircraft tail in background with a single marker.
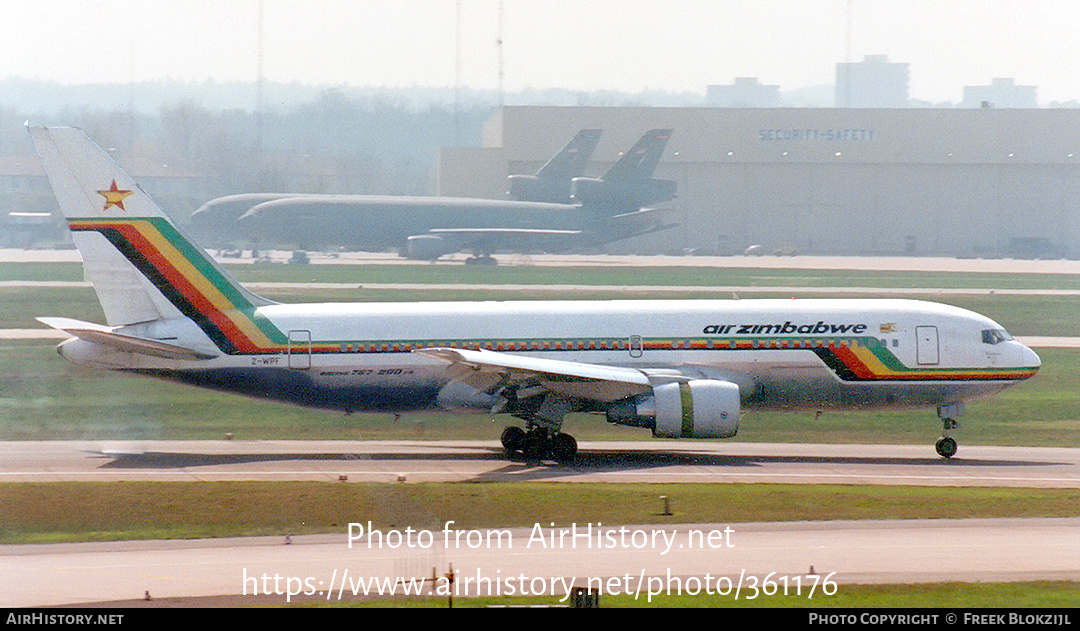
(552, 183)
(640, 161)
(628, 185)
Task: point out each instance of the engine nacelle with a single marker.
(529, 188)
(701, 408)
(426, 247)
(630, 194)
(457, 396)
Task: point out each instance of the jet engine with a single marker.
(700, 408)
(426, 247)
(529, 188)
(630, 194)
(457, 396)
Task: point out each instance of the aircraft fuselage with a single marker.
(783, 354)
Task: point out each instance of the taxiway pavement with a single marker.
(480, 461)
(737, 561)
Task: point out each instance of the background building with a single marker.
(873, 82)
(745, 92)
(950, 182)
(1000, 93)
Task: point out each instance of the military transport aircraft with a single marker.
(552, 211)
(681, 369)
(215, 221)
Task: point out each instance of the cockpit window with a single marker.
(995, 336)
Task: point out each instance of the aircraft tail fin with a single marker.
(628, 184)
(552, 183)
(571, 159)
(640, 161)
(142, 266)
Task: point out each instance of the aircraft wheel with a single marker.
(563, 447)
(535, 445)
(946, 447)
(512, 439)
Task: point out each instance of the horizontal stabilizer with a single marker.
(106, 336)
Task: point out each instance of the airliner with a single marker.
(681, 369)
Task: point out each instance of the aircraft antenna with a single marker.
(457, 76)
(847, 44)
(259, 84)
(499, 44)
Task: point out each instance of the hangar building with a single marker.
(934, 182)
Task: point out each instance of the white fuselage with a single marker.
(783, 354)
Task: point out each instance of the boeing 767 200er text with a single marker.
(683, 369)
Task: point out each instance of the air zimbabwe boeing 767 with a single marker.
(682, 369)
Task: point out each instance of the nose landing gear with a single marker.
(946, 445)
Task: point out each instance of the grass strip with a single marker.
(104, 511)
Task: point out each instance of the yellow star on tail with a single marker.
(115, 197)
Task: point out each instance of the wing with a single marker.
(485, 241)
(488, 371)
(500, 238)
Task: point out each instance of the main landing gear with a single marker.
(538, 443)
(481, 259)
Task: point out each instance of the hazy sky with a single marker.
(627, 45)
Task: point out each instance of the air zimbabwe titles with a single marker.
(787, 328)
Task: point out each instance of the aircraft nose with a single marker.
(1029, 358)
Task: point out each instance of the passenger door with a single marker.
(300, 349)
(926, 345)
